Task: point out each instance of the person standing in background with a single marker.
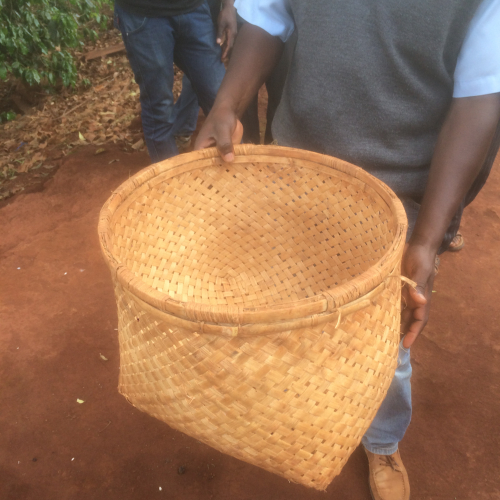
(157, 34)
(187, 106)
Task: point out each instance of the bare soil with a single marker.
(58, 322)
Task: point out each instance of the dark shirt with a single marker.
(158, 8)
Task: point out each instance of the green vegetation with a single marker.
(36, 35)
(7, 116)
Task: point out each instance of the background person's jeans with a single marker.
(186, 107)
(186, 110)
(153, 45)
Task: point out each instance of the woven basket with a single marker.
(258, 302)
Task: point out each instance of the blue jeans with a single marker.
(186, 110)
(153, 45)
(394, 415)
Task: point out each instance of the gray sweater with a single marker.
(371, 81)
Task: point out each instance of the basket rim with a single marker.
(325, 302)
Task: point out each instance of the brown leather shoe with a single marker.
(388, 477)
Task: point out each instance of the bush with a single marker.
(7, 116)
(35, 36)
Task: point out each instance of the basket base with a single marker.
(295, 403)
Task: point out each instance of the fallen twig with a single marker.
(107, 425)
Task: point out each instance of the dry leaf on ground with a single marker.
(99, 114)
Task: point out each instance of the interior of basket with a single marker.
(252, 234)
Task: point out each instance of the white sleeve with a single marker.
(478, 66)
(273, 16)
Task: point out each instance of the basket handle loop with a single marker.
(409, 282)
(404, 279)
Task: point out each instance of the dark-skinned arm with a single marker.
(254, 56)
(460, 151)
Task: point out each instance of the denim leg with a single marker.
(150, 44)
(187, 106)
(394, 415)
(186, 110)
(198, 55)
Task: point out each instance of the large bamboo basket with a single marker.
(258, 302)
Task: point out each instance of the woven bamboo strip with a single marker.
(256, 307)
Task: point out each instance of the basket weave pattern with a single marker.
(258, 303)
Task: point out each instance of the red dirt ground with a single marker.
(58, 315)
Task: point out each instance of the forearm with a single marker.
(254, 56)
(460, 152)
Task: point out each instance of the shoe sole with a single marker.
(456, 249)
